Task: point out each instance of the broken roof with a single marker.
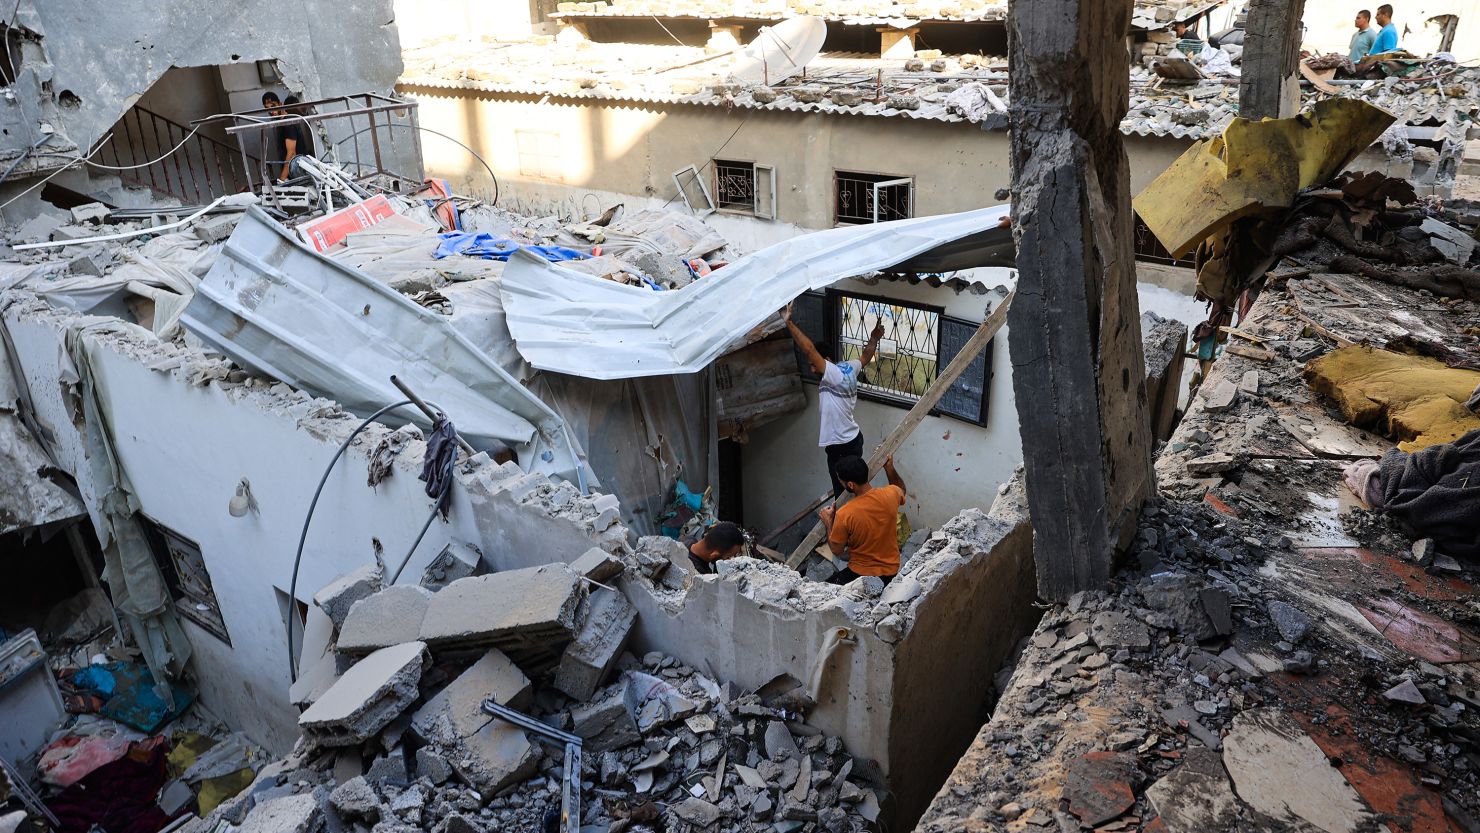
(859, 84)
(1148, 14)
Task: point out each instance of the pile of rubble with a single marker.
(396, 736)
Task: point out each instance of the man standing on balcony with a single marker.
(837, 395)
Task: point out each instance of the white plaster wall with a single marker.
(184, 449)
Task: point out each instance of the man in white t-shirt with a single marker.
(837, 394)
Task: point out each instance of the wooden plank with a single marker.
(921, 409)
(1243, 334)
(1249, 352)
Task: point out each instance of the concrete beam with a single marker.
(1074, 329)
(1269, 87)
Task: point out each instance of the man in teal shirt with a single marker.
(1387, 39)
(1362, 40)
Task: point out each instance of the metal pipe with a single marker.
(427, 410)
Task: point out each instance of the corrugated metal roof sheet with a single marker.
(669, 75)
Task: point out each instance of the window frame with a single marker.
(831, 315)
(762, 204)
(160, 538)
(875, 182)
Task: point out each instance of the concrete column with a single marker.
(1269, 87)
(1074, 327)
(897, 43)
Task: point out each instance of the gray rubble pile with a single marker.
(397, 740)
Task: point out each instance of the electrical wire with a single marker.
(474, 153)
(51, 176)
(670, 34)
(717, 152)
(313, 504)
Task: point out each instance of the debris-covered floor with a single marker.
(1277, 655)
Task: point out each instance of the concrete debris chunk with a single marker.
(432, 766)
(780, 745)
(605, 722)
(390, 617)
(217, 228)
(339, 595)
(1292, 622)
(597, 564)
(1113, 629)
(1249, 382)
(1221, 397)
(697, 812)
(1282, 773)
(288, 814)
(368, 697)
(1211, 464)
(1453, 244)
(93, 212)
(456, 560)
(592, 654)
(528, 614)
(355, 799)
(1405, 692)
(486, 752)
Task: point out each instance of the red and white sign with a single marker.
(330, 230)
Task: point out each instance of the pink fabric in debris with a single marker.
(1361, 477)
(68, 760)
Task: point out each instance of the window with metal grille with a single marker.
(918, 341)
(1149, 249)
(734, 185)
(872, 198)
(184, 570)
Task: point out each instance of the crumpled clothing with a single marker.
(117, 797)
(488, 247)
(1436, 491)
(1362, 478)
(383, 459)
(436, 467)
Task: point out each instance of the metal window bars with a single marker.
(909, 353)
(872, 198)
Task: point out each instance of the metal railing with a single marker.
(371, 134)
(201, 170)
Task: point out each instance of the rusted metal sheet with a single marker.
(1420, 634)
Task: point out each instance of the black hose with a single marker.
(313, 504)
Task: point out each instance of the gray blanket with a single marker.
(1436, 491)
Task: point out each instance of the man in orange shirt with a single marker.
(866, 526)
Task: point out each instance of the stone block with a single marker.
(605, 722)
(597, 564)
(367, 698)
(339, 595)
(355, 799)
(72, 232)
(37, 229)
(390, 617)
(529, 614)
(1220, 397)
(93, 212)
(89, 263)
(592, 654)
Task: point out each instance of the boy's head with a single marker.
(853, 472)
(724, 540)
(270, 101)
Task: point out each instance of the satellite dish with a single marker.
(780, 51)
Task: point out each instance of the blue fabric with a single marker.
(96, 678)
(488, 247)
(1387, 40)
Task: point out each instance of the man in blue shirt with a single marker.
(1387, 39)
(1363, 39)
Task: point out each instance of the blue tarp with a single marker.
(130, 693)
(488, 247)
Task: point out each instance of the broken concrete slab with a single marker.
(486, 752)
(1249, 382)
(1282, 773)
(592, 654)
(368, 697)
(390, 617)
(1113, 629)
(1405, 692)
(1452, 243)
(1196, 796)
(1211, 464)
(528, 614)
(597, 564)
(287, 814)
(780, 745)
(605, 722)
(355, 800)
(697, 812)
(37, 229)
(217, 228)
(339, 595)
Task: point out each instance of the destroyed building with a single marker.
(350, 502)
